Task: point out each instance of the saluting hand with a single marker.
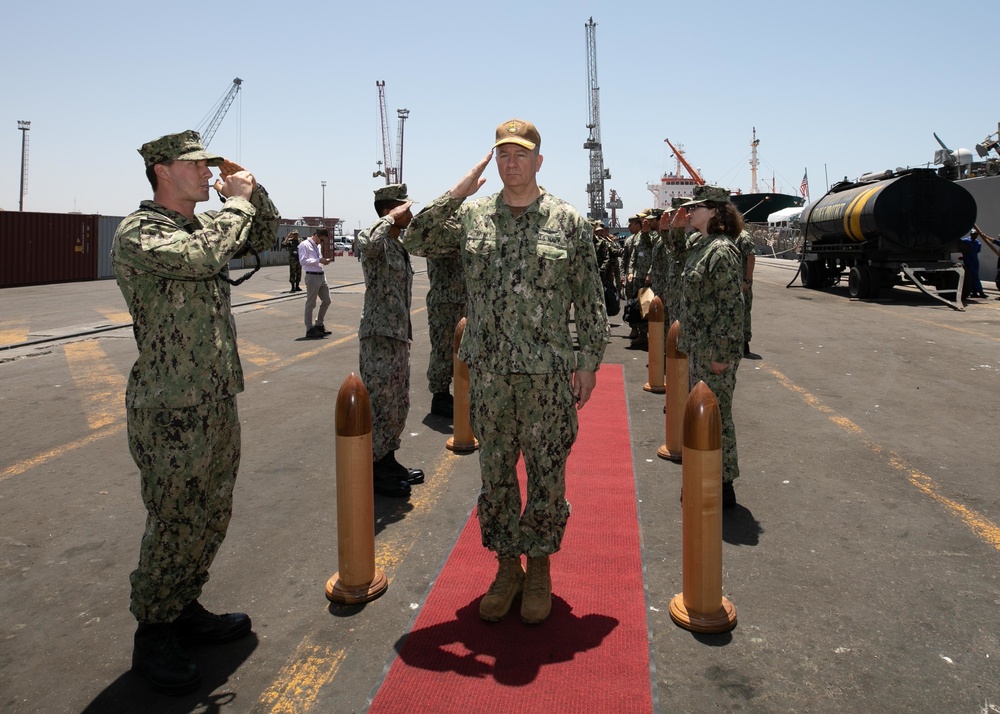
(234, 180)
(473, 180)
(680, 218)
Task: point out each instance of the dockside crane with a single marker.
(391, 170)
(598, 174)
(679, 155)
(208, 128)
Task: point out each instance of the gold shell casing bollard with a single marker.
(462, 440)
(701, 606)
(677, 394)
(655, 319)
(357, 580)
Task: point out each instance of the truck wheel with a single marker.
(859, 283)
(808, 273)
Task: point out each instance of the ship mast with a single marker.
(753, 162)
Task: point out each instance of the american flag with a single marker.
(804, 186)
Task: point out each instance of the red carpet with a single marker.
(592, 654)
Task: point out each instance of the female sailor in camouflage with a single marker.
(712, 310)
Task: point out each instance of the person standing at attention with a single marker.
(312, 260)
(712, 309)
(445, 308)
(385, 335)
(529, 257)
(183, 428)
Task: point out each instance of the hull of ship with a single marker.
(756, 207)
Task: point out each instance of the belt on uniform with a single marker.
(314, 272)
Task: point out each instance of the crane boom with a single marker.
(679, 155)
(216, 120)
(598, 174)
(389, 171)
(401, 114)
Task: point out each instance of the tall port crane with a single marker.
(208, 128)
(390, 169)
(598, 174)
(401, 115)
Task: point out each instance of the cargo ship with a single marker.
(755, 206)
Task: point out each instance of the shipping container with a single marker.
(40, 248)
(106, 227)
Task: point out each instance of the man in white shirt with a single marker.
(312, 261)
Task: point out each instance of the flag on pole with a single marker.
(804, 186)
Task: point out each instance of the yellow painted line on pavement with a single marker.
(981, 526)
(56, 452)
(389, 551)
(299, 682)
(20, 467)
(14, 331)
(99, 385)
(118, 317)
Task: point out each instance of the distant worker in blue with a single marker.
(970, 259)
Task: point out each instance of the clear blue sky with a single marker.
(836, 88)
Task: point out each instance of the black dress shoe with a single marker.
(414, 476)
(196, 624)
(388, 477)
(313, 334)
(158, 658)
(322, 328)
(392, 487)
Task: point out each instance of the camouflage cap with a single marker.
(520, 132)
(185, 146)
(713, 194)
(599, 226)
(637, 218)
(678, 201)
(392, 192)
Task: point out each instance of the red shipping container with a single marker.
(39, 248)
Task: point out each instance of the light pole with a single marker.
(24, 126)
(323, 185)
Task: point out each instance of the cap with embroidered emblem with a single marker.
(520, 132)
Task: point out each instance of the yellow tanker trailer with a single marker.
(885, 229)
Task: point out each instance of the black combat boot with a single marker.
(443, 404)
(196, 624)
(157, 657)
(387, 479)
(402, 472)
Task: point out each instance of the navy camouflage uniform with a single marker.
(746, 246)
(183, 427)
(445, 307)
(385, 333)
(523, 274)
(712, 327)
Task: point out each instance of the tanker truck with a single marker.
(885, 229)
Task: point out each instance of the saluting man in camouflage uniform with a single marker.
(385, 336)
(528, 257)
(445, 307)
(183, 429)
(712, 310)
